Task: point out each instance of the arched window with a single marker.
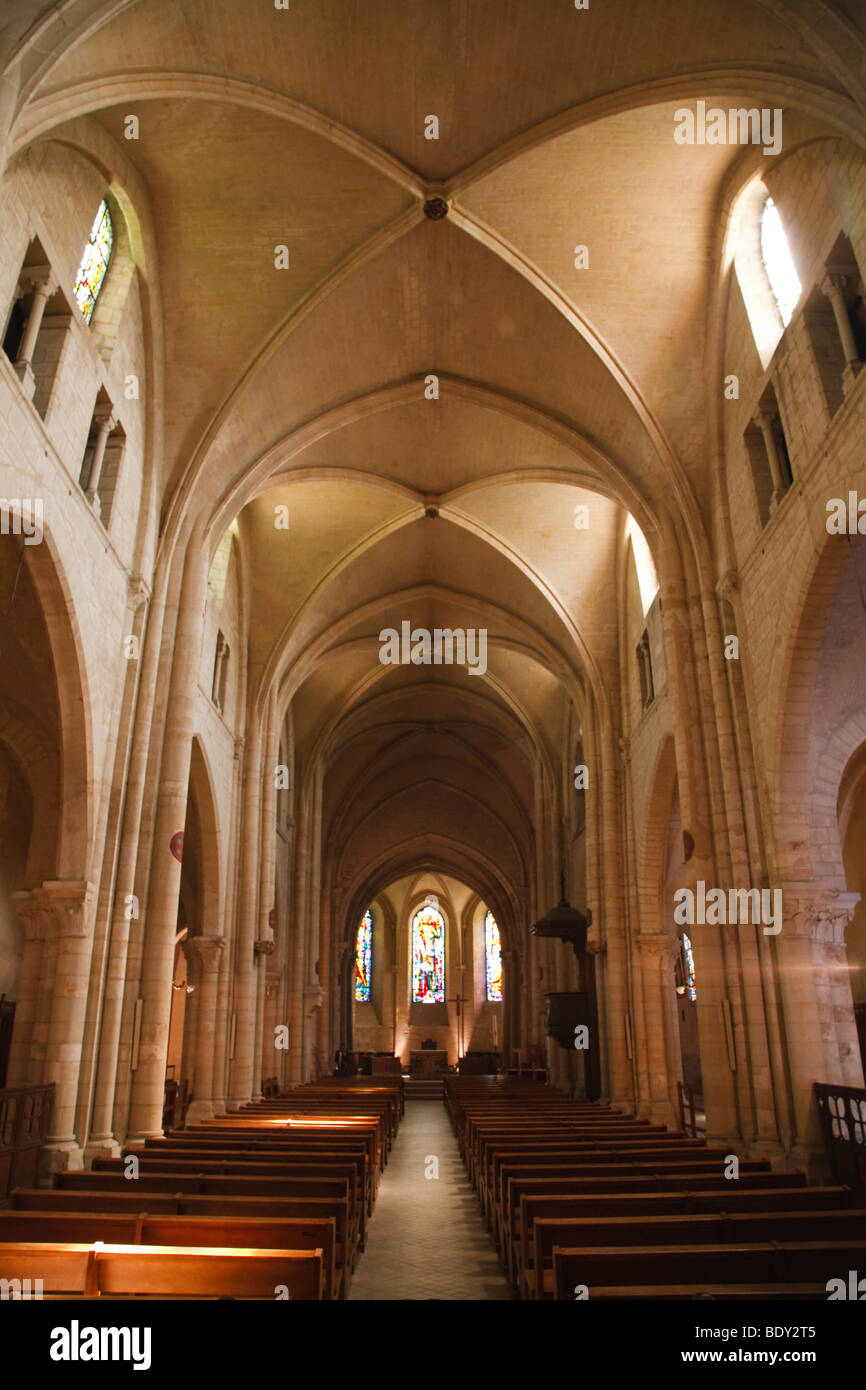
(94, 262)
(778, 262)
(428, 956)
(647, 579)
(691, 987)
(363, 958)
(493, 949)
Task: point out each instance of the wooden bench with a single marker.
(290, 1131)
(236, 1166)
(672, 1232)
(254, 1233)
(126, 1203)
(743, 1266)
(716, 1196)
(641, 1166)
(563, 1179)
(263, 1150)
(220, 1185)
(164, 1271)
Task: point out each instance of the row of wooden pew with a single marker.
(271, 1202)
(586, 1202)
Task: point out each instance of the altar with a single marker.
(428, 1063)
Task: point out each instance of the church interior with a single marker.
(432, 649)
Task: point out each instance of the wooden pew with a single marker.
(221, 1185)
(700, 1266)
(164, 1271)
(263, 1150)
(711, 1195)
(236, 1166)
(255, 1165)
(565, 1178)
(253, 1233)
(303, 1209)
(641, 1166)
(669, 1231)
(300, 1134)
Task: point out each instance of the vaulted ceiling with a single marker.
(557, 385)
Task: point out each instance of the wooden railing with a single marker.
(843, 1123)
(25, 1114)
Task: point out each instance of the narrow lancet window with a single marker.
(94, 262)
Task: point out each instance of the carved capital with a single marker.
(66, 906)
(37, 279)
(29, 909)
(105, 416)
(265, 946)
(818, 917)
(204, 952)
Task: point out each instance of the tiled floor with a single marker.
(426, 1237)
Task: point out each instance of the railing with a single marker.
(25, 1114)
(843, 1123)
(688, 1120)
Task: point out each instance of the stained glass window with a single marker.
(779, 263)
(94, 262)
(364, 958)
(428, 957)
(493, 946)
(690, 968)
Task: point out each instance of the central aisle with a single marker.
(426, 1238)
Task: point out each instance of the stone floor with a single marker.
(426, 1238)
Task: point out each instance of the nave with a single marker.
(432, 593)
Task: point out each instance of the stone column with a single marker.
(102, 1142)
(107, 420)
(264, 948)
(157, 969)
(32, 986)
(242, 1066)
(764, 420)
(656, 960)
(204, 954)
(43, 284)
(821, 1043)
(833, 286)
(68, 912)
(313, 998)
(271, 1055)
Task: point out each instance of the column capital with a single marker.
(817, 916)
(205, 951)
(105, 416)
(37, 279)
(65, 904)
(29, 908)
(265, 946)
(658, 945)
(833, 283)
